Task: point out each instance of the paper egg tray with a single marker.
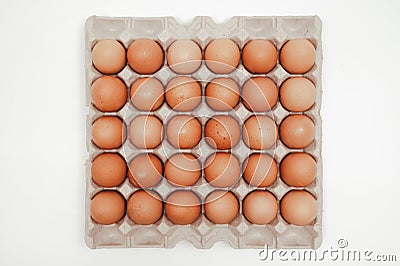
(202, 233)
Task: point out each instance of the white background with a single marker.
(42, 127)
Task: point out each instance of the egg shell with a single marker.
(260, 132)
(183, 93)
(297, 56)
(260, 94)
(144, 207)
(222, 132)
(146, 131)
(184, 56)
(109, 94)
(297, 131)
(260, 207)
(184, 131)
(259, 56)
(108, 169)
(108, 132)
(182, 169)
(222, 170)
(145, 56)
(221, 207)
(222, 94)
(260, 170)
(182, 207)
(107, 207)
(147, 94)
(109, 56)
(298, 169)
(299, 207)
(145, 170)
(297, 94)
(222, 56)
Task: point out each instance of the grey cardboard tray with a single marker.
(202, 233)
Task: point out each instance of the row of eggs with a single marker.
(221, 132)
(183, 207)
(222, 56)
(221, 169)
(182, 93)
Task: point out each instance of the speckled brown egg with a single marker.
(144, 207)
(146, 131)
(109, 56)
(184, 131)
(182, 169)
(297, 94)
(297, 131)
(183, 93)
(260, 132)
(222, 56)
(260, 170)
(297, 56)
(108, 169)
(260, 207)
(222, 132)
(222, 170)
(109, 94)
(107, 207)
(221, 207)
(259, 94)
(184, 56)
(108, 132)
(259, 56)
(147, 94)
(145, 170)
(299, 207)
(222, 94)
(182, 207)
(145, 56)
(298, 169)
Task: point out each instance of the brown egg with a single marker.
(297, 131)
(108, 132)
(222, 94)
(297, 56)
(144, 207)
(146, 131)
(184, 131)
(297, 94)
(298, 169)
(147, 94)
(182, 169)
(182, 207)
(259, 94)
(109, 94)
(299, 207)
(108, 169)
(222, 56)
(145, 56)
(109, 56)
(222, 132)
(221, 207)
(260, 170)
(183, 93)
(222, 169)
(260, 207)
(260, 132)
(145, 170)
(259, 56)
(107, 207)
(184, 56)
